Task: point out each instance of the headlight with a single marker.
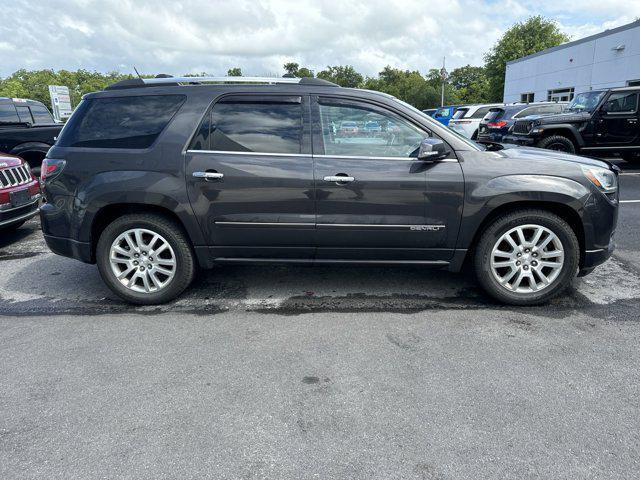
(603, 178)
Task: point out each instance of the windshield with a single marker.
(587, 102)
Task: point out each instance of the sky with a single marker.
(193, 36)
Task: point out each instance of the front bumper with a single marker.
(11, 216)
(522, 140)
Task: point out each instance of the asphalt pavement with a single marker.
(294, 372)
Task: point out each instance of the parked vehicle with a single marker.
(27, 129)
(372, 128)
(153, 177)
(499, 120)
(445, 114)
(19, 192)
(430, 111)
(349, 129)
(466, 119)
(601, 122)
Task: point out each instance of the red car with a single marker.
(19, 192)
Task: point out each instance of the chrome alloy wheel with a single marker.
(142, 260)
(527, 259)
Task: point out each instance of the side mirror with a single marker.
(432, 149)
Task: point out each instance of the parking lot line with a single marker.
(629, 201)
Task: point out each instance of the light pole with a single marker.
(443, 76)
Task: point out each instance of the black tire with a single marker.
(494, 231)
(557, 142)
(174, 235)
(474, 137)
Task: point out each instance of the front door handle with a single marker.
(339, 178)
(208, 175)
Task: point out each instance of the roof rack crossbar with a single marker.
(161, 81)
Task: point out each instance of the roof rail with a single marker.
(168, 80)
(271, 80)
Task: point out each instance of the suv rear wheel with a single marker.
(527, 257)
(145, 258)
(557, 142)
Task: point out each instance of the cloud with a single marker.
(258, 35)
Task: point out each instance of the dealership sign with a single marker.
(60, 102)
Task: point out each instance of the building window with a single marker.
(527, 97)
(633, 83)
(560, 95)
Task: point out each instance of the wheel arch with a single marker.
(564, 211)
(108, 213)
(568, 131)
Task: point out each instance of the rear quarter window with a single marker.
(120, 122)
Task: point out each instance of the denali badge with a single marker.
(427, 228)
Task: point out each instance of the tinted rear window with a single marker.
(121, 122)
(493, 114)
(481, 112)
(461, 112)
(41, 114)
(245, 126)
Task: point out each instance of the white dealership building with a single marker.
(607, 59)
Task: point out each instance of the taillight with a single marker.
(496, 124)
(50, 168)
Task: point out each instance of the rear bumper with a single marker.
(68, 247)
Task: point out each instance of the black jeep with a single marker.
(600, 122)
(27, 129)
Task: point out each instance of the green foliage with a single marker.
(470, 83)
(406, 85)
(234, 72)
(345, 76)
(524, 38)
(296, 70)
(34, 84)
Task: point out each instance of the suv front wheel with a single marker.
(145, 258)
(527, 257)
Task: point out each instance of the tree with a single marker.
(471, 84)
(345, 76)
(406, 85)
(294, 69)
(234, 72)
(524, 38)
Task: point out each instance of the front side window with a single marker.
(361, 131)
(119, 122)
(261, 127)
(622, 102)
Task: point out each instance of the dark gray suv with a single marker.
(152, 178)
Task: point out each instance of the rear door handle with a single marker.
(340, 178)
(208, 175)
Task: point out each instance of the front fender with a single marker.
(563, 127)
(482, 199)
